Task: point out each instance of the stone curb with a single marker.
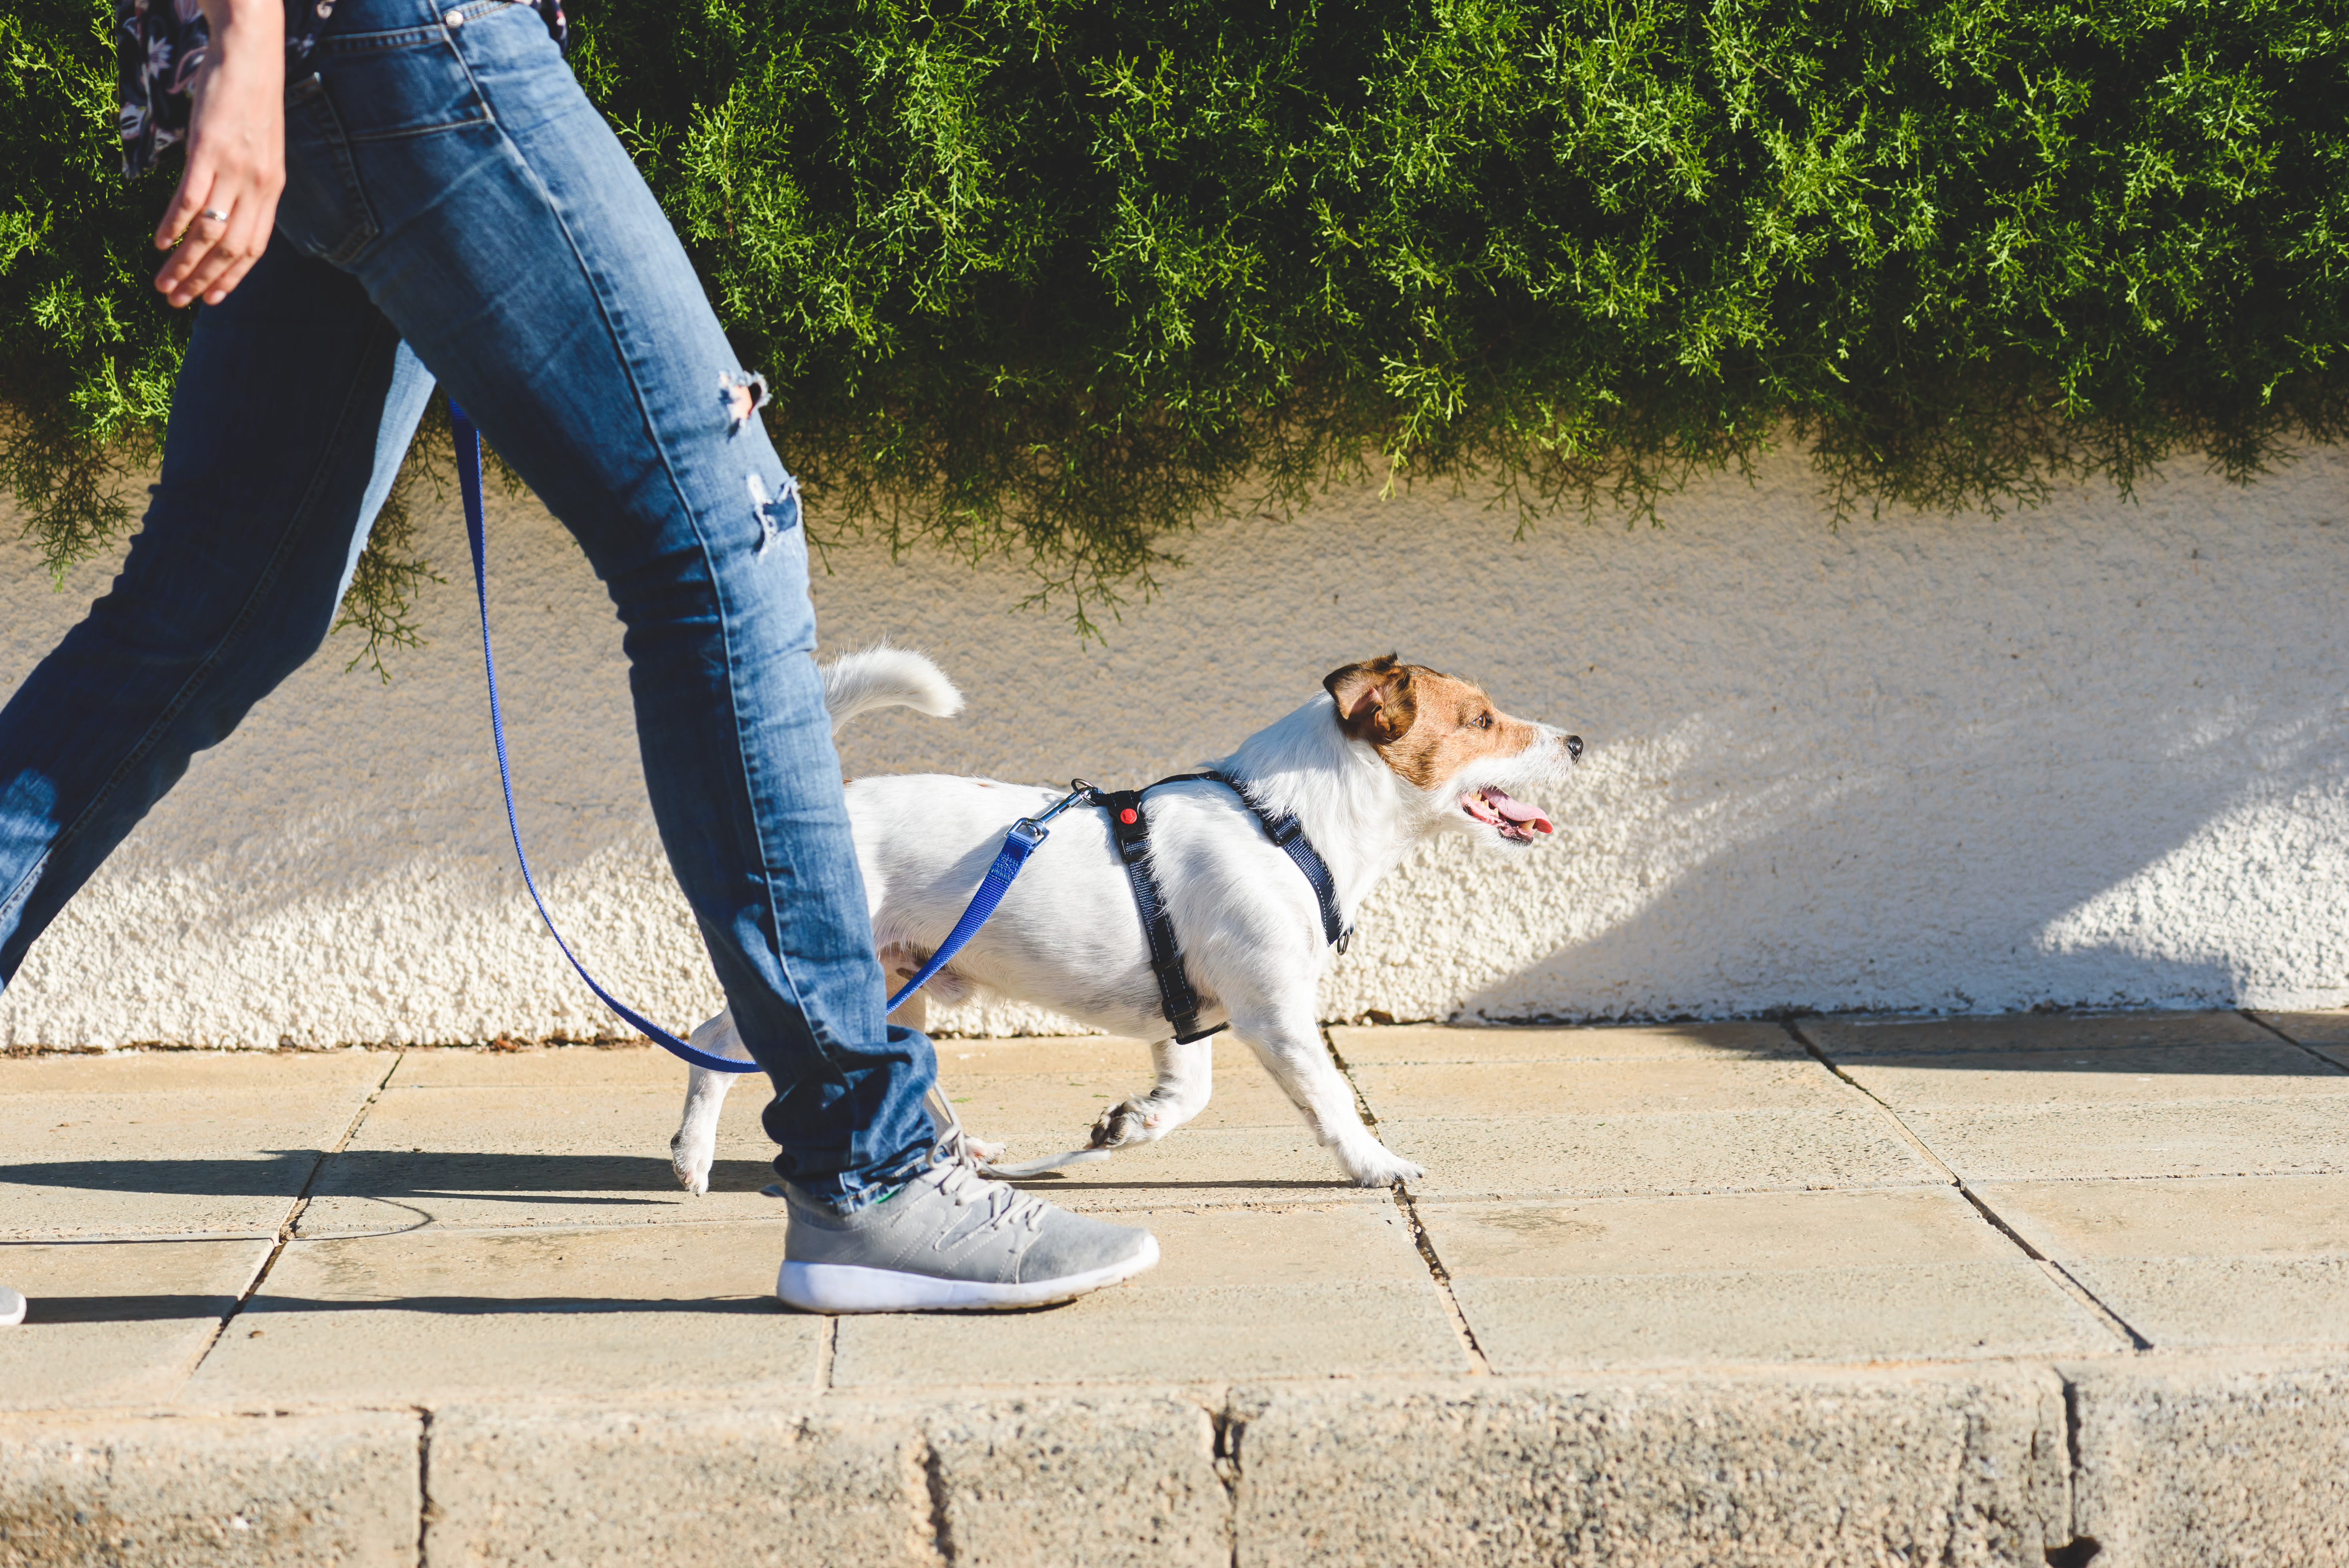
(2159, 1460)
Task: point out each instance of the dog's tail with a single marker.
(884, 676)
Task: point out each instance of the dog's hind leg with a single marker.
(1292, 1051)
(694, 1147)
(1186, 1077)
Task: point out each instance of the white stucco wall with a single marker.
(2093, 754)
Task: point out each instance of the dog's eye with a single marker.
(1484, 721)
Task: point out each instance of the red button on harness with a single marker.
(1126, 816)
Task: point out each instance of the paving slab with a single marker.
(2207, 1216)
(1498, 1090)
(2323, 1031)
(217, 1142)
(1238, 1293)
(2131, 1074)
(2216, 1462)
(1690, 1151)
(1960, 1469)
(1902, 1312)
(2187, 1302)
(1812, 1276)
(1110, 1060)
(292, 1490)
(1058, 1106)
(532, 1314)
(493, 1158)
(256, 1074)
(642, 1066)
(1552, 1238)
(2209, 1261)
(1195, 1166)
(1843, 1038)
(2186, 1138)
(1361, 1047)
(115, 1323)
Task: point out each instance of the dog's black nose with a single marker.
(1574, 747)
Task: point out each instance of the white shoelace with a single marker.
(956, 1170)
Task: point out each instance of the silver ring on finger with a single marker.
(214, 213)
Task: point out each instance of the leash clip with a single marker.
(1078, 790)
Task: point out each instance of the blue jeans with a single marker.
(457, 210)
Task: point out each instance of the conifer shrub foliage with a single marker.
(1059, 276)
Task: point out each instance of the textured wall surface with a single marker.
(2093, 754)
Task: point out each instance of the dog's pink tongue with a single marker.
(1531, 817)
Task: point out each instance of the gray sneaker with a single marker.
(12, 1305)
(950, 1240)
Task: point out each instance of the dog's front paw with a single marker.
(690, 1158)
(1373, 1164)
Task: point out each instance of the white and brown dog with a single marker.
(1390, 754)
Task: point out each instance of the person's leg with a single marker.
(288, 422)
(495, 220)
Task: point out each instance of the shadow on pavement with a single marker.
(60, 1309)
(378, 1173)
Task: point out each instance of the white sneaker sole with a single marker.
(847, 1288)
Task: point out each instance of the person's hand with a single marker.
(221, 217)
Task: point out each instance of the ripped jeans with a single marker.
(456, 210)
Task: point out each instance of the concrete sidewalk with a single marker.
(2023, 1290)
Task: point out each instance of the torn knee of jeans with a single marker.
(776, 514)
(744, 393)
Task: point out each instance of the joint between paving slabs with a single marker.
(934, 1485)
(294, 1213)
(2060, 1276)
(2259, 1022)
(827, 1351)
(424, 1513)
(1228, 1426)
(1477, 1364)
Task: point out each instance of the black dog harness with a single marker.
(1129, 823)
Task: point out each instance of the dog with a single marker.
(1387, 756)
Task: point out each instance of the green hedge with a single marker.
(1061, 278)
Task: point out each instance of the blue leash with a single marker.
(1018, 844)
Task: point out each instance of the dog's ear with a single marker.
(1374, 698)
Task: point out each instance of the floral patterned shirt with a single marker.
(159, 47)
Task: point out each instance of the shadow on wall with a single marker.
(1998, 867)
(2097, 756)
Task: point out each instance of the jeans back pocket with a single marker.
(394, 83)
